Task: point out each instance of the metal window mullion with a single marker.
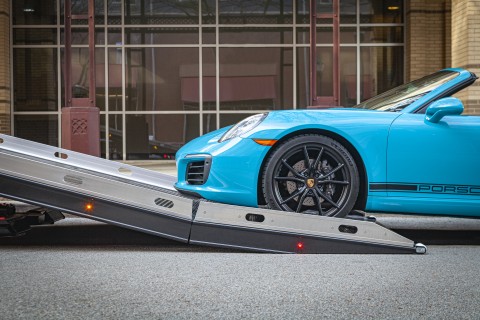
(250, 25)
(294, 55)
(313, 54)
(200, 68)
(173, 112)
(352, 25)
(106, 81)
(35, 113)
(217, 65)
(253, 111)
(336, 52)
(59, 76)
(33, 46)
(86, 46)
(358, 84)
(12, 89)
(34, 26)
(255, 45)
(157, 112)
(381, 44)
(59, 93)
(85, 26)
(160, 26)
(124, 120)
(404, 31)
(160, 46)
(382, 24)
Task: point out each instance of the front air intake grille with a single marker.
(197, 171)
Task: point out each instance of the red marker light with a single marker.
(3, 218)
(300, 245)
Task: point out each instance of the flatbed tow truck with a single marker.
(63, 181)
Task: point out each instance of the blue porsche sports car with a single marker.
(408, 150)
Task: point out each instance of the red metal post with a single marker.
(80, 117)
(68, 54)
(313, 52)
(336, 52)
(335, 16)
(91, 50)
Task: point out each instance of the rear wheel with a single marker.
(311, 174)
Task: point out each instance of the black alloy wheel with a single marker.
(311, 174)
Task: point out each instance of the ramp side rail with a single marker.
(146, 201)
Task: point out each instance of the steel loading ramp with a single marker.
(146, 201)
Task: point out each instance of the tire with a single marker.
(327, 184)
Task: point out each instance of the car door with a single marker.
(434, 167)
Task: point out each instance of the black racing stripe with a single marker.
(393, 187)
(402, 187)
(378, 186)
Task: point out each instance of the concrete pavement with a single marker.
(150, 282)
(82, 269)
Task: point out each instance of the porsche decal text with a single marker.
(425, 188)
(449, 189)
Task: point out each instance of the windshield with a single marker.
(400, 97)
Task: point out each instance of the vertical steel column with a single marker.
(80, 116)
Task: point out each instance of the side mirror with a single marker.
(444, 107)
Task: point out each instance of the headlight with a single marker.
(243, 126)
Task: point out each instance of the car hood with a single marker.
(339, 120)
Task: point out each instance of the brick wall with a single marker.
(466, 48)
(428, 39)
(5, 66)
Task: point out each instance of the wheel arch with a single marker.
(360, 204)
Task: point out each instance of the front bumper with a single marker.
(234, 168)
